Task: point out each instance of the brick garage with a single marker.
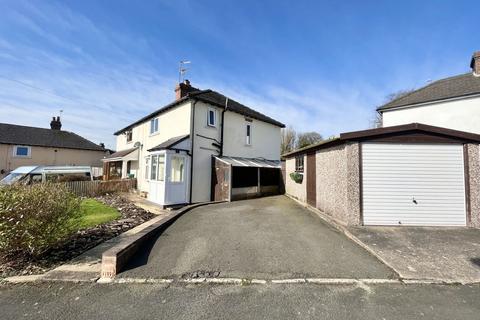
(403, 175)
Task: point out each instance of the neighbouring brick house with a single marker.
(26, 146)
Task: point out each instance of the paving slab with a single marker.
(266, 238)
(450, 254)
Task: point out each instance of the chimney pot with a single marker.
(475, 63)
(55, 124)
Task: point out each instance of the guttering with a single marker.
(426, 103)
(223, 126)
(192, 134)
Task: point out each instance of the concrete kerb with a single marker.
(337, 225)
(294, 281)
(115, 258)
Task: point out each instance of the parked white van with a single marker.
(38, 174)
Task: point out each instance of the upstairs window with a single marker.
(248, 134)
(211, 117)
(154, 126)
(22, 151)
(299, 163)
(129, 135)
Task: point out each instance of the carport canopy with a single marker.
(250, 162)
(237, 178)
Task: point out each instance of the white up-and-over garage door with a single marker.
(413, 184)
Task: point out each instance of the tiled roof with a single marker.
(32, 136)
(170, 143)
(453, 87)
(212, 97)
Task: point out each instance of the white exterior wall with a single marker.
(463, 115)
(176, 122)
(203, 151)
(172, 123)
(296, 190)
(265, 138)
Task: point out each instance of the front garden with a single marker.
(44, 225)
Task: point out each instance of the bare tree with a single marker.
(377, 121)
(308, 138)
(288, 140)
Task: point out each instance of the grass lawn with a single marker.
(94, 213)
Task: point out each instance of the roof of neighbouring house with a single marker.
(169, 143)
(214, 98)
(372, 134)
(32, 136)
(453, 87)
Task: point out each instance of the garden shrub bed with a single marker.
(83, 239)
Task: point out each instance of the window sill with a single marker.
(22, 157)
(154, 134)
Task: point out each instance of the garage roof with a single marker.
(250, 162)
(408, 133)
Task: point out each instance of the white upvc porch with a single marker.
(168, 177)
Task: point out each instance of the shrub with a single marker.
(33, 218)
(297, 177)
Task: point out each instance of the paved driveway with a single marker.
(267, 238)
(451, 254)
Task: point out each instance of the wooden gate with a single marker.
(311, 180)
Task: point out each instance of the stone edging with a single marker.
(115, 258)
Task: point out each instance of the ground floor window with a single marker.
(147, 167)
(299, 163)
(157, 167)
(177, 169)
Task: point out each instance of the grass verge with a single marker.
(94, 212)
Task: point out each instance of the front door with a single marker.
(156, 182)
(311, 180)
(177, 181)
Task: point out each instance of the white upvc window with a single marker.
(147, 168)
(248, 134)
(177, 169)
(211, 117)
(157, 167)
(22, 152)
(154, 126)
(128, 135)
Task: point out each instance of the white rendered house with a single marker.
(452, 103)
(175, 152)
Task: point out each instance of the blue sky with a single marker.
(315, 65)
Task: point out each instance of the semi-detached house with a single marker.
(201, 147)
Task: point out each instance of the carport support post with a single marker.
(258, 183)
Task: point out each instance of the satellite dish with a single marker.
(137, 144)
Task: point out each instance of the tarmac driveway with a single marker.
(266, 238)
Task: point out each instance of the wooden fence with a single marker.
(97, 188)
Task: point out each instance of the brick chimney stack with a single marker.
(182, 89)
(55, 124)
(475, 63)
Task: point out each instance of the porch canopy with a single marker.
(237, 178)
(118, 165)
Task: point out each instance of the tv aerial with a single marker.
(182, 69)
